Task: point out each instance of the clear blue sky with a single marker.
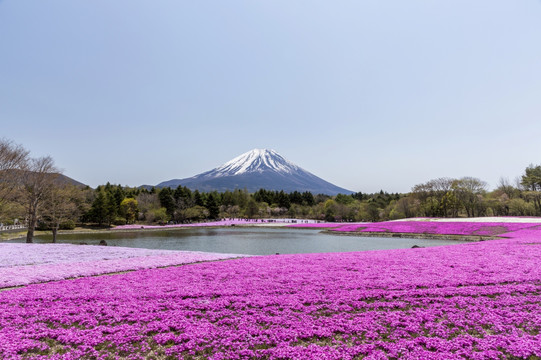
(369, 95)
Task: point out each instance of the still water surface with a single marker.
(254, 241)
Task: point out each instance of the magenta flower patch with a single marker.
(319, 225)
(438, 228)
(471, 301)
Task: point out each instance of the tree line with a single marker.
(33, 191)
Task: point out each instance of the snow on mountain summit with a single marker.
(254, 170)
(257, 160)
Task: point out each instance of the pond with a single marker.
(248, 240)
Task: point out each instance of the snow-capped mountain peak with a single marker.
(254, 170)
(257, 160)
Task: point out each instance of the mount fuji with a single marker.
(256, 169)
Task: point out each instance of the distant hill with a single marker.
(256, 169)
(61, 178)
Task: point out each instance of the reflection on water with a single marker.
(255, 241)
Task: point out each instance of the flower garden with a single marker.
(23, 264)
(424, 227)
(478, 300)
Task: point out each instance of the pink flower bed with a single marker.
(440, 228)
(317, 225)
(22, 264)
(471, 301)
(17, 254)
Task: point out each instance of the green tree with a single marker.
(295, 198)
(183, 197)
(263, 195)
(147, 202)
(196, 213)
(359, 196)
(129, 210)
(331, 210)
(251, 209)
(198, 199)
(167, 201)
(308, 198)
(344, 199)
(283, 200)
(407, 205)
(99, 209)
(159, 215)
(212, 206)
(113, 208)
(372, 212)
(531, 181)
(519, 207)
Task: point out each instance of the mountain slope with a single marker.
(256, 169)
(60, 179)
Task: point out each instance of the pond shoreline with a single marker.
(468, 238)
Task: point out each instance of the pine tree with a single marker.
(212, 206)
(98, 211)
(167, 201)
(198, 199)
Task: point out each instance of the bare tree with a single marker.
(39, 181)
(60, 206)
(12, 156)
(408, 206)
(13, 159)
(469, 191)
(505, 187)
(436, 197)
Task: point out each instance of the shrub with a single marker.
(67, 225)
(119, 221)
(42, 226)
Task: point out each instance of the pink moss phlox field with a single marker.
(22, 264)
(438, 228)
(16, 254)
(227, 222)
(322, 225)
(471, 301)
